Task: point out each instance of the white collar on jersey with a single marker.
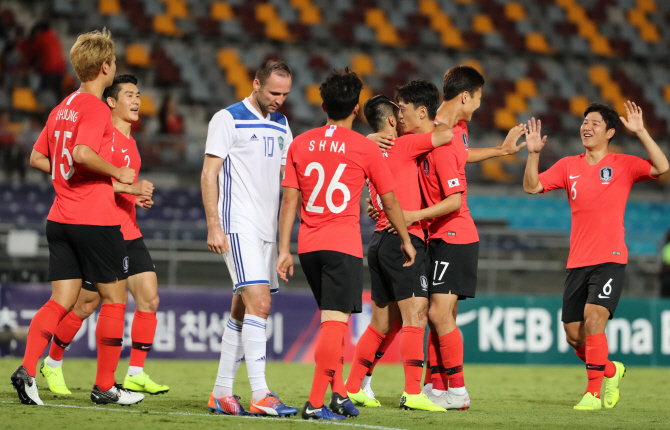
(251, 107)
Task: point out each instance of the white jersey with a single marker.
(253, 149)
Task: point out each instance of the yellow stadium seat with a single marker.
(514, 11)
(504, 119)
(176, 8)
(611, 92)
(265, 12)
(164, 24)
(646, 5)
(147, 105)
(109, 7)
(429, 7)
(578, 105)
(242, 90)
(237, 74)
(587, 29)
(24, 99)
(440, 22)
(483, 24)
(598, 75)
(536, 42)
(666, 93)
(526, 87)
(366, 94)
(221, 11)
(313, 95)
(137, 55)
(363, 64)
(649, 33)
(277, 30)
(493, 170)
(299, 4)
(227, 57)
(516, 103)
(600, 45)
(310, 15)
(375, 18)
(636, 17)
(452, 38)
(387, 35)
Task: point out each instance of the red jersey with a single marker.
(329, 166)
(597, 196)
(82, 196)
(125, 154)
(401, 159)
(441, 174)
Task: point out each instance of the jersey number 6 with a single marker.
(334, 185)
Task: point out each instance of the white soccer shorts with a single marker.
(251, 261)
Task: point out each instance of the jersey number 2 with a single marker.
(65, 153)
(334, 185)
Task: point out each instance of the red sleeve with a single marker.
(639, 169)
(416, 145)
(290, 175)
(42, 144)
(91, 127)
(377, 171)
(554, 177)
(446, 169)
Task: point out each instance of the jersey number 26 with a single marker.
(334, 185)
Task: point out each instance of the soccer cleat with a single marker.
(273, 406)
(362, 399)
(142, 383)
(366, 386)
(612, 386)
(419, 402)
(427, 389)
(117, 395)
(229, 405)
(54, 377)
(588, 403)
(309, 412)
(450, 400)
(343, 406)
(26, 387)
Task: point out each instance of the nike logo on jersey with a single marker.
(124, 150)
(574, 177)
(600, 296)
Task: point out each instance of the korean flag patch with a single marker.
(453, 183)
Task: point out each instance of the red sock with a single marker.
(430, 359)
(65, 332)
(596, 361)
(388, 340)
(368, 344)
(451, 348)
(437, 370)
(581, 353)
(143, 331)
(40, 333)
(327, 356)
(109, 337)
(411, 349)
(337, 384)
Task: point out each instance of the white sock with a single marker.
(255, 340)
(367, 381)
(54, 363)
(459, 391)
(231, 358)
(135, 370)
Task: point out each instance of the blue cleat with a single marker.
(229, 405)
(343, 406)
(309, 412)
(272, 406)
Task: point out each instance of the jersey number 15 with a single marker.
(65, 153)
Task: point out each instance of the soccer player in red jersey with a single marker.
(327, 167)
(397, 290)
(123, 98)
(83, 226)
(597, 183)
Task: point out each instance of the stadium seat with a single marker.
(165, 24)
(363, 64)
(221, 11)
(578, 105)
(514, 11)
(147, 105)
(313, 95)
(23, 99)
(482, 24)
(109, 7)
(137, 55)
(176, 8)
(504, 119)
(536, 42)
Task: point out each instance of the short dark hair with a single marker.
(609, 114)
(272, 66)
(377, 109)
(460, 79)
(340, 93)
(113, 90)
(420, 92)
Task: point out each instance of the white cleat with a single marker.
(427, 389)
(26, 387)
(450, 400)
(366, 386)
(117, 395)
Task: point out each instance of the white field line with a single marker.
(277, 420)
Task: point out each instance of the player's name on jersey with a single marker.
(67, 115)
(334, 146)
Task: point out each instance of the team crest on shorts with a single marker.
(424, 283)
(281, 143)
(426, 167)
(606, 174)
(126, 263)
(465, 140)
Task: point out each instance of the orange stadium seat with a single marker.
(363, 64)
(504, 119)
(221, 11)
(137, 55)
(109, 7)
(277, 30)
(666, 93)
(514, 11)
(646, 5)
(493, 170)
(309, 13)
(24, 99)
(176, 8)
(578, 105)
(536, 42)
(452, 38)
(482, 24)
(598, 75)
(147, 106)
(164, 24)
(313, 95)
(516, 103)
(226, 57)
(474, 64)
(526, 87)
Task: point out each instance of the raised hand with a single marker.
(634, 123)
(534, 138)
(509, 146)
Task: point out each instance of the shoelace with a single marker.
(276, 400)
(327, 413)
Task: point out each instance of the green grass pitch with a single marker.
(503, 397)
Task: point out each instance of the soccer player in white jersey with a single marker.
(244, 158)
